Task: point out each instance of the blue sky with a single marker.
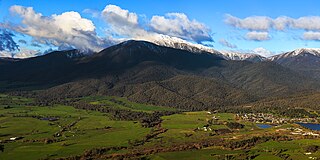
(223, 21)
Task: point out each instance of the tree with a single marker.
(1, 147)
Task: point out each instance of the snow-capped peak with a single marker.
(313, 51)
(239, 56)
(173, 42)
(297, 52)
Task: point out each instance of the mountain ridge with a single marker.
(148, 73)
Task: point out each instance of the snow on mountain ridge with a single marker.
(173, 42)
(314, 51)
(297, 52)
(238, 56)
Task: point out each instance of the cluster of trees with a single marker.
(235, 125)
(239, 156)
(253, 141)
(146, 119)
(312, 148)
(278, 110)
(296, 113)
(153, 134)
(303, 100)
(280, 153)
(222, 131)
(1, 147)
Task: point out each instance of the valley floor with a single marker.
(114, 128)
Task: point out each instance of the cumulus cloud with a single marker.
(26, 53)
(179, 25)
(264, 23)
(282, 23)
(261, 23)
(311, 36)
(67, 28)
(311, 25)
(119, 16)
(307, 23)
(225, 43)
(6, 54)
(176, 25)
(122, 21)
(263, 52)
(257, 36)
(6, 41)
(22, 53)
(126, 24)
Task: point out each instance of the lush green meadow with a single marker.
(49, 132)
(123, 103)
(92, 129)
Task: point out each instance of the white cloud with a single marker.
(120, 20)
(311, 24)
(264, 23)
(72, 21)
(282, 23)
(26, 53)
(6, 54)
(119, 16)
(263, 52)
(23, 53)
(124, 23)
(68, 28)
(311, 36)
(261, 23)
(225, 43)
(307, 23)
(179, 25)
(257, 36)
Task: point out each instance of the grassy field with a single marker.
(80, 130)
(203, 154)
(123, 103)
(87, 133)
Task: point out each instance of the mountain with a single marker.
(148, 73)
(177, 43)
(297, 53)
(42, 69)
(267, 79)
(305, 61)
(237, 56)
(64, 66)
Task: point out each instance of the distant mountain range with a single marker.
(303, 60)
(234, 55)
(170, 74)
